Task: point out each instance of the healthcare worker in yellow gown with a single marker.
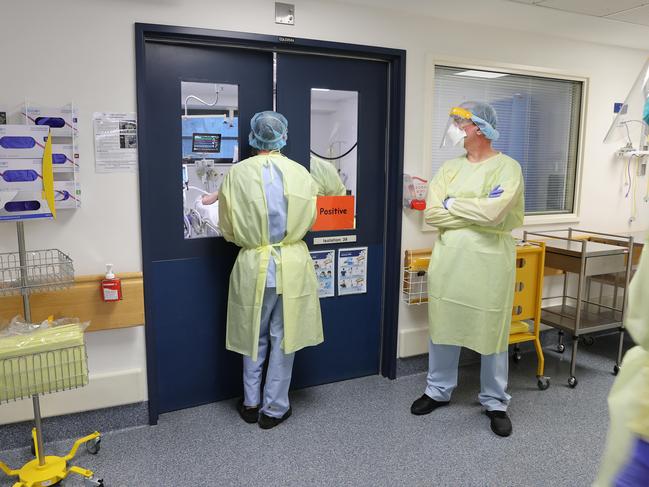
(626, 458)
(267, 203)
(474, 201)
(326, 177)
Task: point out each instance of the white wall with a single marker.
(83, 50)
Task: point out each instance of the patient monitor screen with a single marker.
(210, 143)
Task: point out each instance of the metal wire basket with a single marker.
(43, 373)
(42, 270)
(415, 286)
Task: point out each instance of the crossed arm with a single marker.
(483, 211)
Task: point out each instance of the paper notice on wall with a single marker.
(115, 142)
(352, 271)
(324, 263)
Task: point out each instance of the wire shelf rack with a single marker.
(41, 271)
(43, 373)
(415, 286)
(415, 276)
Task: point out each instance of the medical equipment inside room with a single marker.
(630, 129)
(210, 145)
(334, 136)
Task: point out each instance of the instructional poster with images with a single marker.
(325, 270)
(115, 142)
(352, 271)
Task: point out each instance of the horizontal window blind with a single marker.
(538, 121)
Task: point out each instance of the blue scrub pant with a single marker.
(442, 376)
(280, 365)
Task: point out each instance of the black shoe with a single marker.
(425, 405)
(500, 422)
(249, 415)
(268, 422)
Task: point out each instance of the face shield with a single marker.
(458, 119)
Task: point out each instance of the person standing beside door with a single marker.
(475, 201)
(267, 203)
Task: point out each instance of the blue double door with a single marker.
(186, 281)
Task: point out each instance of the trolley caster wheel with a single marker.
(93, 483)
(93, 447)
(616, 369)
(543, 383)
(588, 340)
(561, 348)
(572, 381)
(516, 357)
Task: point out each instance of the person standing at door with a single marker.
(474, 201)
(267, 203)
(326, 177)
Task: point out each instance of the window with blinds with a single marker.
(538, 121)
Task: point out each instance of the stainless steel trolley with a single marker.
(41, 372)
(577, 254)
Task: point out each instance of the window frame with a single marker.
(432, 61)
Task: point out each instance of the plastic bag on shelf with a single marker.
(21, 338)
(40, 358)
(18, 326)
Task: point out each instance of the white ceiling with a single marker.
(626, 28)
(632, 11)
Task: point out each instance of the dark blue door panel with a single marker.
(186, 281)
(166, 66)
(352, 336)
(352, 324)
(189, 314)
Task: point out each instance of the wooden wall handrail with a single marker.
(98, 277)
(83, 301)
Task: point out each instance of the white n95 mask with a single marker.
(454, 136)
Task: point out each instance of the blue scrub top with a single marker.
(277, 212)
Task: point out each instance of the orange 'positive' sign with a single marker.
(334, 213)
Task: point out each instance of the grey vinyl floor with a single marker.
(361, 433)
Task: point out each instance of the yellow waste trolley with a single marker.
(45, 361)
(50, 359)
(526, 314)
(528, 290)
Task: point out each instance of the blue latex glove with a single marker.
(448, 202)
(496, 192)
(645, 112)
(636, 472)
